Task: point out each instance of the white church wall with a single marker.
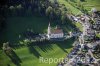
(56, 35)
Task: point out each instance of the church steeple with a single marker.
(49, 29)
(49, 24)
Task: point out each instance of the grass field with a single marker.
(98, 35)
(79, 25)
(88, 4)
(29, 55)
(69, 6)
(18, 25)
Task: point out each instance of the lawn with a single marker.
(29, 55)
(79, 25)
(17, 25)
(98, 35)
(69, 6)
(88, 4)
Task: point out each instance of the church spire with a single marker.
(49, 24)
(49, 29)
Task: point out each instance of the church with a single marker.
(54, 33)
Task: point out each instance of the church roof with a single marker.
(57, 31)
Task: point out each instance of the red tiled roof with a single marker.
(57, 31)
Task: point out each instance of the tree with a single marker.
(82, 0)
(11, 54)
(49, 12)
(6, 48)
(78, 3)
(63, 17)
(57, 14)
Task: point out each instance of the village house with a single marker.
(96, 17)
(96, 25)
